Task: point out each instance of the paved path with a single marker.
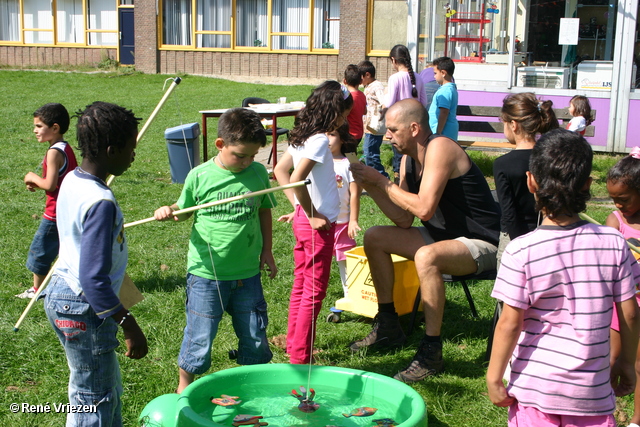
(263, 154)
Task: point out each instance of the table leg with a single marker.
(204, 138)
(274, 144)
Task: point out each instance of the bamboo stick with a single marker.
(223, 201)
(593, 221)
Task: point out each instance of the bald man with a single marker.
(441, 186)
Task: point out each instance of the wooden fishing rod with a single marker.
(223, 201)
(593, 221)
(176, 82)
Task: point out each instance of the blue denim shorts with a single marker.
(44, 248)
(244, 301)
(89, 343)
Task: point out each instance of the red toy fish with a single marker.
(225, 400)
(363, 411)
(307, 405)
(248, 420)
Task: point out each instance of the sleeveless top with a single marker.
(466, 208)
(69, 165)
(631, 234)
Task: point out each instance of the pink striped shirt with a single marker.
(567, 280)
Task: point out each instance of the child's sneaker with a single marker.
(426, 362)
(386, 332)
(28, 294)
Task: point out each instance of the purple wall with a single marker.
(632, 125)
(601, 105)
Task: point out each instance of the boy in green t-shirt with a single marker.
(229, 244)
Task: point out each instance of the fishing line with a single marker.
(213, 267)
(313, 291)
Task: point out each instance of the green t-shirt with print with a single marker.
(226, 240)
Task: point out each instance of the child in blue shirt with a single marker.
(442, 111)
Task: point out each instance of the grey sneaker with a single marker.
(386, 333)
(426, 362)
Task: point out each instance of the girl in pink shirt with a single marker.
(623, 185)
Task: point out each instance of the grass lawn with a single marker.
(32, 365)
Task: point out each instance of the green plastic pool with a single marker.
(264, 390)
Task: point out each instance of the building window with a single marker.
(252, 28)
(264, 25)
(387, 26)
(10, 20)
(38, 22)
(69, 21)
(97, 26)
(431, 31)
(102, 23)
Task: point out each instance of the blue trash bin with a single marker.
(183, 146)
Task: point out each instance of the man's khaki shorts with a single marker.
(484, 253)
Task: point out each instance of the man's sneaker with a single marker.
(386, 333)
(28, 294)
(426, 362)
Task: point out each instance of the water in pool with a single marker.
(280, 409)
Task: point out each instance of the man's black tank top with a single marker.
(466, 208)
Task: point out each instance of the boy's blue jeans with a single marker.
(244, 301)
(44, 247)
(372, 145)
(89, 344)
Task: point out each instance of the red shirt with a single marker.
(69, 165)
(356, 127)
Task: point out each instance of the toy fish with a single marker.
(241, 419)
(363, 411)
(385, 422)
(307, 405)
(248, 420)
(225, 400)
(256, 423)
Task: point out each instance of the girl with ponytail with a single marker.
(525, 118)
(405, 83)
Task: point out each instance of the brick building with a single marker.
(555, 48)
(304, 39)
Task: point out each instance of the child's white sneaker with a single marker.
(28, 294)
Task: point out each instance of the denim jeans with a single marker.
(44, 247)
(397, 158)
(244, 301)
(89, 343)
(372, 145)
(312, 256)
(431, 88)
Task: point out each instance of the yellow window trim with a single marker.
(53, 30)
(235, 48)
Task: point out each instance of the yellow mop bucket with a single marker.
(362, 299)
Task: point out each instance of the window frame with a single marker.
(22, 31)
(369, 40)
(233, 34)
